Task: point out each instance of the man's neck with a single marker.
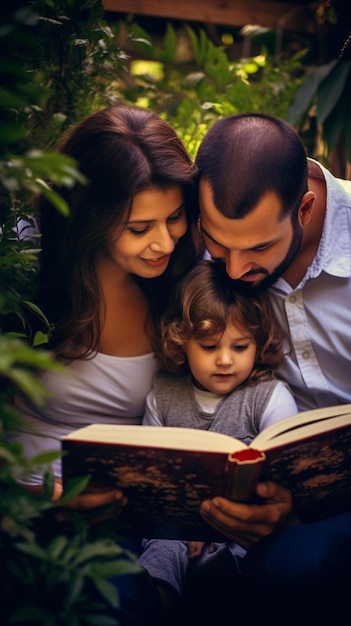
(312, 232)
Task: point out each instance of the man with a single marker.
(281, 222)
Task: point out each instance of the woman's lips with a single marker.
(157, 262)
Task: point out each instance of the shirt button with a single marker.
(292, 299)
(306, 355)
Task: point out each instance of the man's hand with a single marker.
(246, 524)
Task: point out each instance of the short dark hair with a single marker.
(245, 156)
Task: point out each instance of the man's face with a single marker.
(257, 248)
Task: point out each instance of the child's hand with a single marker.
(195, 548)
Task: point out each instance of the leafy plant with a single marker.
(59, 61)
(51, 574)
(193, 94)
(326, 94)
(77, 58)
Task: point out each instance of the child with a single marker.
(214, 342)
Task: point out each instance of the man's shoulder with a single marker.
(318, 171)
(346, 184)
(315, 169)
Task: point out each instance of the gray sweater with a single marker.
(237, 415)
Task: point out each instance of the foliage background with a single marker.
(68, 61)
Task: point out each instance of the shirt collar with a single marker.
(333, 255)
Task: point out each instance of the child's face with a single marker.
(221, 363)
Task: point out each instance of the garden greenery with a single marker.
(59, 61)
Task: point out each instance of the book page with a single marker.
(303, 425)
(155, 436)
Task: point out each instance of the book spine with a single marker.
(243, 471)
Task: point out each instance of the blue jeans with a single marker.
(298, 576)
(308, 567)
(303, 554)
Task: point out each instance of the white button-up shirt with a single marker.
(317, 313)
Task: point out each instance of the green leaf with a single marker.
(33, 550)
(251, 67)
(73, 488)
(6, 456)
(33, 307)
(40, 339)
(348, 136)
(45, 458)
(333, 126)
(331, 89)
(56, 200)
(28, 384)
(304, 95)
(199, 44)
(107, 568)
(56, 547)
(170, 41)
(108, 591)
(76, 587)
(103, 550)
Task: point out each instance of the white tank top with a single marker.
(104, 389)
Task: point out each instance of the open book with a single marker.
(167, 472)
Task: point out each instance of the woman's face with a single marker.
(156, 223)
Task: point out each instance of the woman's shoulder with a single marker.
(104, 388)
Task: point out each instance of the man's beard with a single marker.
(270, 279)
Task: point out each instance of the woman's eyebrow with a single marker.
(181, 206)
(138, 222)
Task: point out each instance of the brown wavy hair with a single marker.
(203, 305)
(121, 150)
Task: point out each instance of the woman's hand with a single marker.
(246, 524)
(100, 505)
(97, 506)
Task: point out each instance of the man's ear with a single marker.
(305, 208)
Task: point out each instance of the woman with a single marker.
(107, 270)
